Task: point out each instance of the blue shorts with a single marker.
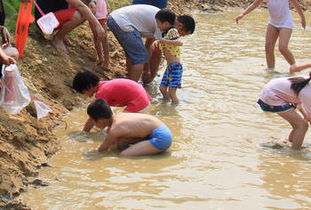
(161, 138)
(172, 75)
(268, 108)
(157, 3)
(130, 41)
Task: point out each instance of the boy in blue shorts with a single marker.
(170, 46)
(134, 134)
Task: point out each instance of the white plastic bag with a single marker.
(41, 108)
(47, 23)
(14, 94)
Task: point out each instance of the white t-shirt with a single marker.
(280, 15)
(140, 17)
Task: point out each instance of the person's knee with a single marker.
(301, 124)
(77, 17)
(283, 48)
(305, 125)
(269, 47)
(172, 91)
(163, 88)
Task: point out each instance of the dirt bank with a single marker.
(25, 143)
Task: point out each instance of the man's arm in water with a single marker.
(110, 139)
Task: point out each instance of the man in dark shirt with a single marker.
(70, 14)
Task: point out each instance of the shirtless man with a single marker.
(135, 134)
(70, 14)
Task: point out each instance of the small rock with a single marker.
(39, 182)
(39, 61)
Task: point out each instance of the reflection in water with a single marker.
(224, 153)
(286, 180)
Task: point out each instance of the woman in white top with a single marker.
(282, 96)
(280, 26)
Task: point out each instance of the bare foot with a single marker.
(59, 45)
(293, 68)
(175, 101)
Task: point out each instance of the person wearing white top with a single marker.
(279, 27)
(129, 24)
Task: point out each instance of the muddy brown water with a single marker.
(224, 154)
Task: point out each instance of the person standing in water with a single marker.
(280, 27)
(170, 46)
(281, 96)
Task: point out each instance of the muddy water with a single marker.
(224, 154)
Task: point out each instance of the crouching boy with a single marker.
(134, 134)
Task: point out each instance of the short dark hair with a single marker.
(166, 15)
(188, 23)
(99, 109)
(84, 80)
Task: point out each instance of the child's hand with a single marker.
(156, 43)
(238, 18)
(7, 60)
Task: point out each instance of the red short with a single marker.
(64, 15)
(103, 21)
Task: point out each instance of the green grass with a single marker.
(11, 8)
(115, 4)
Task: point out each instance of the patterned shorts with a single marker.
(172, 75)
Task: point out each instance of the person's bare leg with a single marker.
(299, 125)
(105, 46)
(173, 96)
(140, 148)
(154, 63)
(99, 51)
(164, 92)
(58, 40)
(146, 72)
(271, 37)
(298, 67)
(134, 71)
(284, 37)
